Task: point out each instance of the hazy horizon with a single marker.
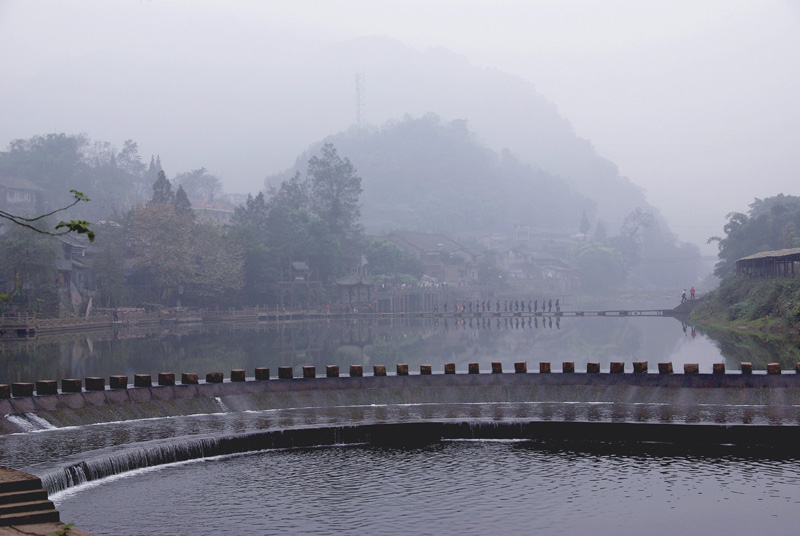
(694, 103)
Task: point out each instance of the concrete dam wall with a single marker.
(767, 399)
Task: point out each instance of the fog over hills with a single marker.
(424, 174)
(694, 102)
(503, 110)
(255, 134)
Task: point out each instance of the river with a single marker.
(452, 487)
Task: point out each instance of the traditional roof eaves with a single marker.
(15, 183)
(772, 254)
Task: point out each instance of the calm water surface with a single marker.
(453, 488)
(341, 342)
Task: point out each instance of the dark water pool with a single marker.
(457, 487)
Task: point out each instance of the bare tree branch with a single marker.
(71, 226)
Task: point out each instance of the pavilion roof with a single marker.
(779, 253)
(352, 280)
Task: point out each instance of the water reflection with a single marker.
(385, 341)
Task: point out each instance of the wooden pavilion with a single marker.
(354, 283)
(299, 283)
(778, 263)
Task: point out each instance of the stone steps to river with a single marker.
(23, 500)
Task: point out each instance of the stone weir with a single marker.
(735, 398)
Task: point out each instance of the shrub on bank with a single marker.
(739, 299)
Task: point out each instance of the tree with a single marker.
(629, 239)
(108, 264)
(249, 230)
(333, 191)
(50, 161)
(384, 257)
(262, 265)
(295, 222)
(292, 194)
(598, 266)
(162, 240)
(199, 184)
(162, 190)
(635, 221)
(334, 188)
(27, 262)
(183, 207)
(600, 234)
(585, 225)
(162, 246)
(218, 263)
(769, 225)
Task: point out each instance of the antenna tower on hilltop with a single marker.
(360, 116)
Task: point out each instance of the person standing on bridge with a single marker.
(535, 306)
(550, 306)
(498, 306)
(558, 307)
(691, 292)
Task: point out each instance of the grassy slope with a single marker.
(768, 306)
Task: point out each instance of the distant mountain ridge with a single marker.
(504, 110)
(426, 174)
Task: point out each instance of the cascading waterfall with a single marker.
(176, 450)
(128, 460)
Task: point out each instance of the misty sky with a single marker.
(695, 101)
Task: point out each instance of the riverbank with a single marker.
(770, 307)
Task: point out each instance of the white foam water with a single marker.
(40, 423)
(21, 422)
(221, 404)
(30, 422)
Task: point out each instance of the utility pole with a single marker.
(360, 116)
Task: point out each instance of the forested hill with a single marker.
(430, 175)
(505, 110)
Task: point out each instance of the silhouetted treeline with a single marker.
(770, 224)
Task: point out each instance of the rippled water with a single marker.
(480, 487)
